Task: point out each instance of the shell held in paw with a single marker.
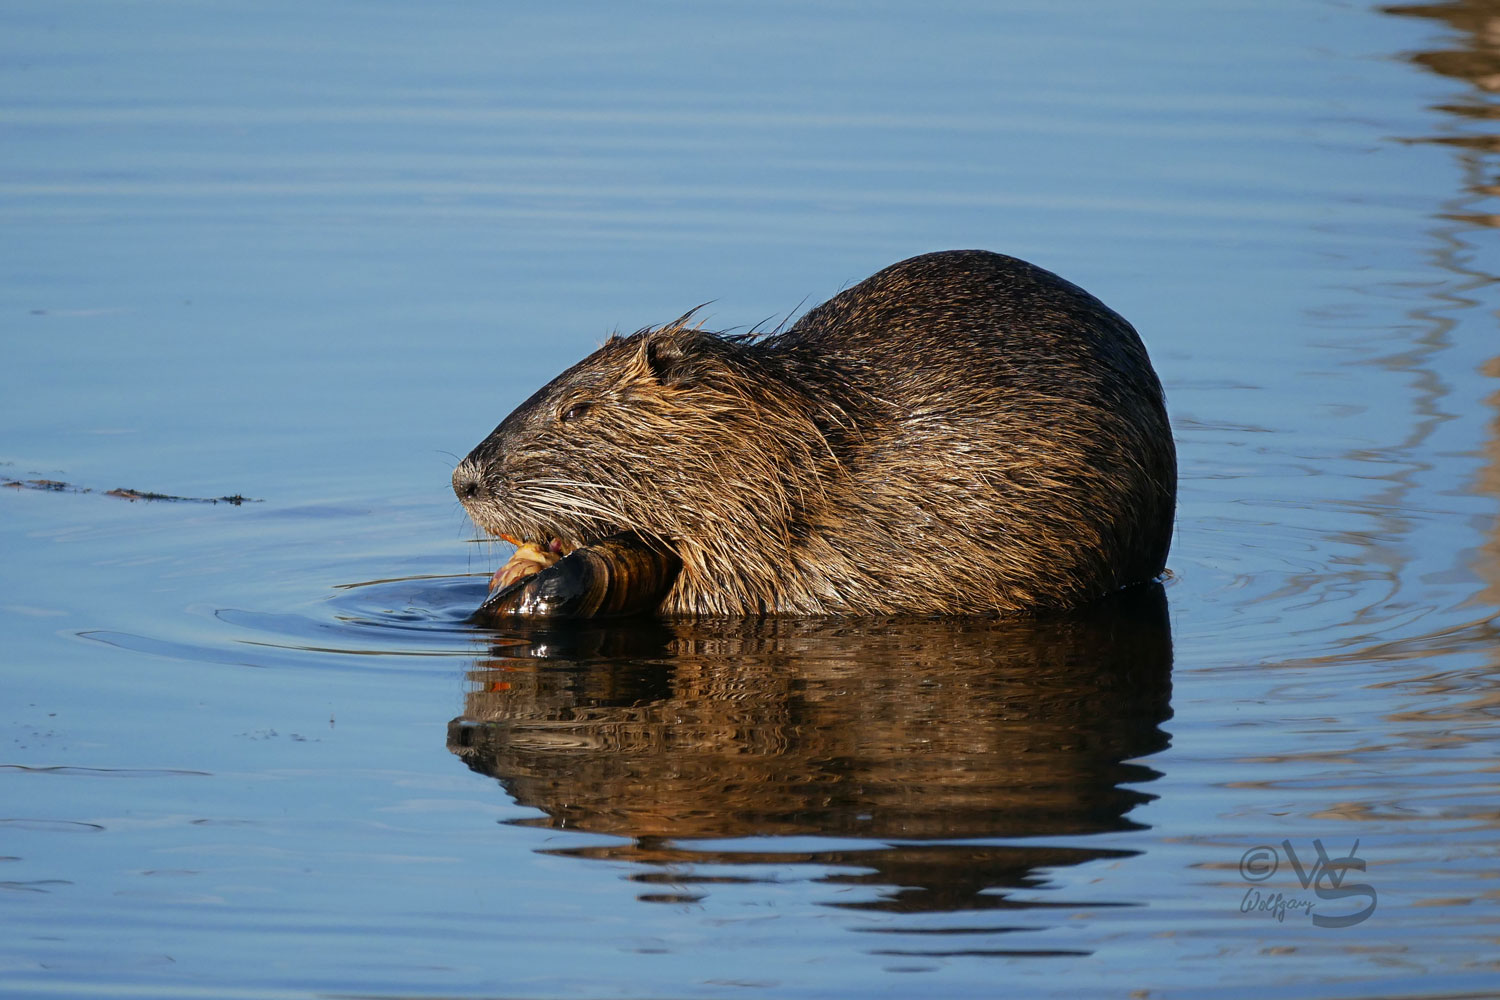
(617, 576)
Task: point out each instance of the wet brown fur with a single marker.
(961, 433)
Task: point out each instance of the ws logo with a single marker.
(1324, 876)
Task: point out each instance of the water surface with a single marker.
(309, 254)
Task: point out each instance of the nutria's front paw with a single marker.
(529, 558)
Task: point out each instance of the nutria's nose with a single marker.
(466, 481)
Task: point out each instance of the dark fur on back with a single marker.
(961, 433)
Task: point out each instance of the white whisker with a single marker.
(554, 500)
(577, 484)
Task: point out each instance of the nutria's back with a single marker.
(961, 433)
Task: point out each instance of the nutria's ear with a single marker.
(664, 355)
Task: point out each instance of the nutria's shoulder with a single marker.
(961, 432)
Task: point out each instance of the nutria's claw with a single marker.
(619, 575)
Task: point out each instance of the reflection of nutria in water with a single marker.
(858, 727)
(922, 739)
(962, 432)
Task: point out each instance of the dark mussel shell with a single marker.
(620, 575)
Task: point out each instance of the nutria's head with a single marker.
(703, 442)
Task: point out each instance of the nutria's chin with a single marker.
(961, 433)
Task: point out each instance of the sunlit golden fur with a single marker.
(961, 433)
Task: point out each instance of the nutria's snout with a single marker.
(481, 492)
(520, 511)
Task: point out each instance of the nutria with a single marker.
(963, 432)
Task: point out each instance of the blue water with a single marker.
(310, 254)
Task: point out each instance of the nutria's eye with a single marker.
(576, 410)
